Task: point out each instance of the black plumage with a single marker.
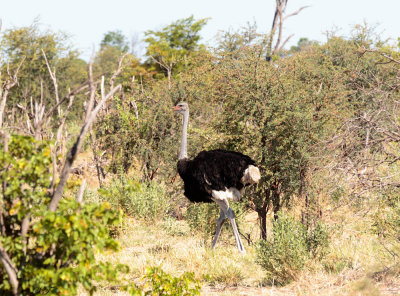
(212, 170)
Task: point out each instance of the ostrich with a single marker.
(215, 176)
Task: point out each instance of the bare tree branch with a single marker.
(118, 71)
(166, 67)
(73, 152)
(364, 50)
(5, 137)
(295, 13)
(53, 77)
(10, 269)
(286, 41)
(281, 9)
(4, 89)
(92, 89)
(277, 27)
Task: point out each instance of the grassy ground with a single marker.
(354, 266)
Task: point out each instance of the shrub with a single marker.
(142, 201)
(157, 282)
(202, 218)
(57, 252)
(387, 226)
(318, 241)
(284, 256)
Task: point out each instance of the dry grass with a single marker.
(356, 264)
(349, 269)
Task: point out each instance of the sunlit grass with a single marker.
(354, 256)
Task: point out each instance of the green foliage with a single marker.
(34, 81)
(142, 201)
(202, 218)
(233, 42)
(117, 134)
(115, 39)
(112, 48)
(171, 46)
(141, 134)
(286, 254)
(68, 240)
(318, 241)
(302, 44)
(25, 177)
(387, 223)
(160, 283)
(58, 251)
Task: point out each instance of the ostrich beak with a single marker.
(176, 108)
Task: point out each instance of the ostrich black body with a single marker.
(212, 170)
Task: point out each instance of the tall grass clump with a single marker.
(285, 255)
(146, 201)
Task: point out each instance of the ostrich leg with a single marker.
(220, 221)
(239, 244)
(224, 205)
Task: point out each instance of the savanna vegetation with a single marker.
(91, 202)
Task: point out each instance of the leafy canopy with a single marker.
(173, 43)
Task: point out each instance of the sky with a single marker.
(86, 21)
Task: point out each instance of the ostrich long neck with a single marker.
(183, 148)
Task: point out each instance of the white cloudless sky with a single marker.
(86, 21)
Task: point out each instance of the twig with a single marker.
(118, 71)
(364, 50)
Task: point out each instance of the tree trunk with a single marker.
(276, 199)
(262, 218)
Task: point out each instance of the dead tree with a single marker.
(277, 28)
(89, 119)
(5, 87)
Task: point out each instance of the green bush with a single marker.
(57, 253)
(202, 217)
(157, 282)
(142, 201)
(318, 241)
(387, 226)
(283, 257)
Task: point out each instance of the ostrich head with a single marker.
(181, 107)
